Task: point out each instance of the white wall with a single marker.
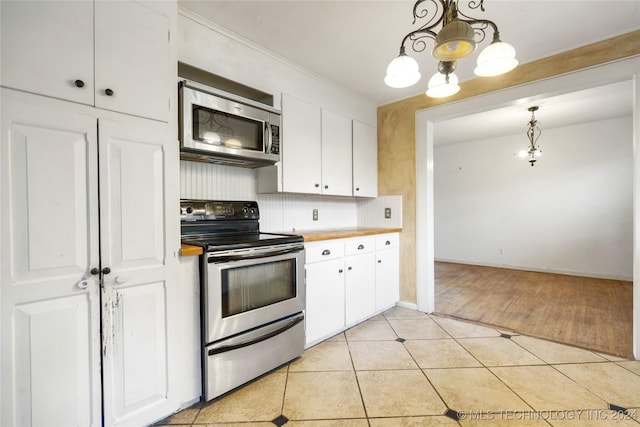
(211, 48)
(571, 213)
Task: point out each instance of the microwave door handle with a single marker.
(267, 129)
(231, 258)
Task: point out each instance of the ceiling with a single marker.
(350, 43)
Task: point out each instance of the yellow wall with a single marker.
(396, 131)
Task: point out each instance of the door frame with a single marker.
(627, 69)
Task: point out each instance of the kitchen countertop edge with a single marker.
(343, 233)
(190, 250)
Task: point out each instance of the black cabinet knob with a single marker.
(379, 261)
(95, 270)
(326, 252)
(340, 271)
(79, 83)
(108, 92)
(357, 188)
(106, 270)
(326, 186)
(317, 185)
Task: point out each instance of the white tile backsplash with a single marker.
(285, 212)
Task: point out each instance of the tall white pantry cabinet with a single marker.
(88, 220)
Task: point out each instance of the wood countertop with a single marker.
(343, 233)
(190, 250)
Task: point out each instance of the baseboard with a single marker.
(409, 305)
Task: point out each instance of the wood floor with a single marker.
(591, 313)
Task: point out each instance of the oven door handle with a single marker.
(254, 255)
(261, 338)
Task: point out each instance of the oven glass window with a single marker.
(226, 130)
(251, 287)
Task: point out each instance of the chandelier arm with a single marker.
(417, 44)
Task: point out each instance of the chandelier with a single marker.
(533, 133)
(458, 38)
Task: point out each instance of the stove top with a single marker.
(213, 242)
(226, 225)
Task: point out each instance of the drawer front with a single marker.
(359, 245)
(323, 251)
(387, 241)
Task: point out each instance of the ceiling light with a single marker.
(457, 38)
(533, 133)
(444, 83)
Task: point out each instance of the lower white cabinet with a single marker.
(345, 284)
(324, 272)
(387, 271)
(360, 283)
(89, 234)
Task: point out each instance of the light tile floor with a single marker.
(406, 368)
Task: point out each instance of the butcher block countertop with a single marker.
(190, 250)
(343, 233)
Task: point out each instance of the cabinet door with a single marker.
(336, 154)
(360, 297)
(301, 147)
(135, 228)
(387, 278)
(365, 160)
(50, 359)
(46, 46)
(132, 59)
(324, 313)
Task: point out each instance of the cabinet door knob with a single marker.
(340, 271)
(326, 186)
(106, 270)
(357, 188)
(349, 268)
(108, 92)
(326, 252)
(360, 247)
(387, 243)
(79, 83)
(379, 261)
(95, 270)
(317, 185)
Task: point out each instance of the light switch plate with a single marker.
(387, 213)
(315, 214)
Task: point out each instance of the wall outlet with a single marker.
(315, 214)
(387, 213)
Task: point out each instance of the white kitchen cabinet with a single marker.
(324, 273)
(360, 282)
(301, 147)
(318, 155)
(86, 212)
(336, 154)
(365, 160)
(387, 271)
(346, 284)
(111, 54)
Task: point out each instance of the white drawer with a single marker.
(359, 245)
(387, 241)
(323, 251)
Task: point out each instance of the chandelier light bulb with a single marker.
(402, 72)
(443, 85)
(497, 58)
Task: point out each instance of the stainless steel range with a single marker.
(252, 292)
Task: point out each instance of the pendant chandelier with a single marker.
(457, 38)
(533, 133)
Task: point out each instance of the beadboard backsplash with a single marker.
(285, 212)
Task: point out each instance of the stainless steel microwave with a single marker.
(218, 127)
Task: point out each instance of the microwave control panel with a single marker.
(275, 139)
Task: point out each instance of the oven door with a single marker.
(248, 288)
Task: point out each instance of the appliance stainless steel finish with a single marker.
(252, 293)
(219, 127)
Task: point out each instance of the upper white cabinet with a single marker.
(301, 147)
(336, 154)
(365, 160)
(111, 54)
(320, 154)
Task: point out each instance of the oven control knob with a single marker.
(252, 211)
(189, 210)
